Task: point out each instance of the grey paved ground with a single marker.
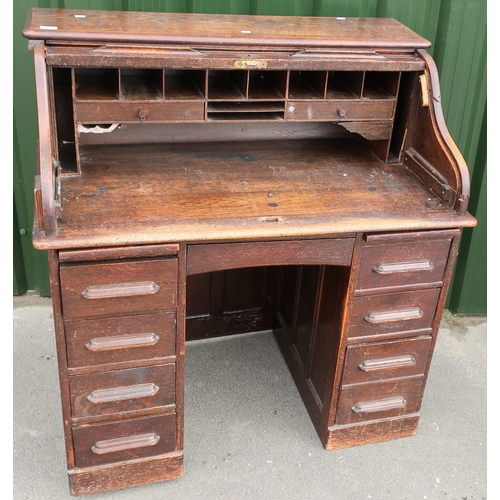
(248, 435)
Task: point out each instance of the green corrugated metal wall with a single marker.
(457, 30)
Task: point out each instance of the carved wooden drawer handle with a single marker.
(125, 443)
(122, 341)
(120, 290)
(403, 267)
(379, 405)
(383, 363)
(396, 315)
(122, 393)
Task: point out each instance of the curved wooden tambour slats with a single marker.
(433, 155)
(44, 150)
(211, 30)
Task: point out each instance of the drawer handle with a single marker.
(383, 363)
(120, 290)
(403, 267)
(379, 405)
(122, 341)
(122, 393)
(125, 443)
(341, 112)
(397, 315)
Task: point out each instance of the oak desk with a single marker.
(203, 175)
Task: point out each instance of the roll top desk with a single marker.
(203, 175)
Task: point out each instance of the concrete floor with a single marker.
(248, 434)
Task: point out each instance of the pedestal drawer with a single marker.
(114, 288)
(127, 338)
(106, 443)
(392, 313)
(376, 400)
(122, 391)
(403, 264)
(386, 360)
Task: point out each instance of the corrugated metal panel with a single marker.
(460, 54)
(457, 29)
(25, 135)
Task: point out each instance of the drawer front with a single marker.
(391, 313)
(100, 444)
(121, 391)
(109, 289)
(403, 264)
(340, 110)
(127, 338)
(386, 360)
(138, 112)
(362, 402)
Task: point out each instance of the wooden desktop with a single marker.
(205, 175)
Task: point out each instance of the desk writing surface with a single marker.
(137, 194)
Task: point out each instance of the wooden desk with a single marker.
(210, 175)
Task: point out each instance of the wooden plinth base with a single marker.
(84, 481)
(345, 436)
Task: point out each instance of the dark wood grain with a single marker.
(239, 190)
(202, 175)
(123, 392)
(204, 258)
(89, 480)
(212, 30)
(87, 436)
(385, 360)
(378, 400)
(128, 295)
(390, 313)
(118, 339)
(345, 436)
(402, 264)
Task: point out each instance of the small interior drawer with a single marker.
(113, 288)
(126, 338)
(391, 313)
(399, 264)
(106, 443)
(340, 110)
(361, 402)
(122, 391)
(386, 360)
(137, 111)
